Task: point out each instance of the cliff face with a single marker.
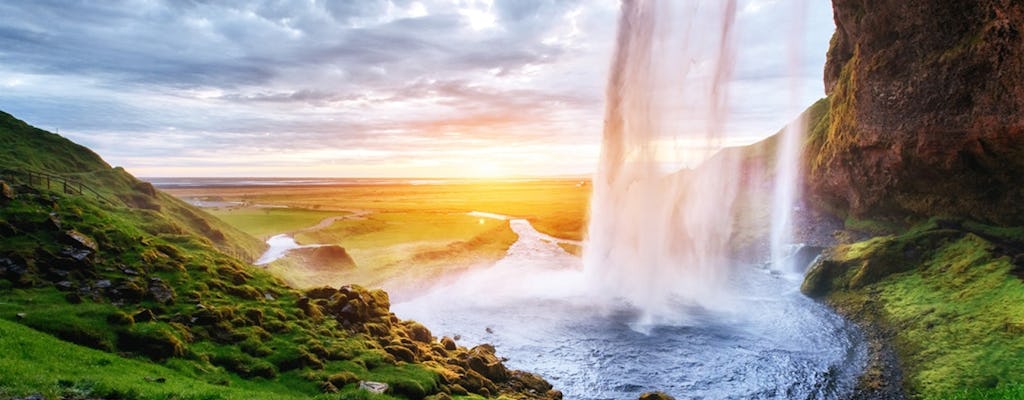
(927, 110)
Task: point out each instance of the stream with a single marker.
(535, 307)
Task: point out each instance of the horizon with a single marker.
(495, 88)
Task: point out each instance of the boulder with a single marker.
(482, 360)
(80, 241)
(321, 292)
(160, 291)
(418, 332)
(448, 343)
(373, 387)
(656, 396)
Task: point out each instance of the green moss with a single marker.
(954, 308)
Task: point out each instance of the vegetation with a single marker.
(557, 207)
(952, 294)
(404, 249)
(264, 222)
(400, 235)
(156, 288)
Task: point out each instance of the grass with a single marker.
(146, 296)
(35, 363)
(264, 222)
(400, 236)
(953, 298)
(557, 207)
(402, 250)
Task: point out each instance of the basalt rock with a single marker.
(927, 111)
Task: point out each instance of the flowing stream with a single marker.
(537, 308)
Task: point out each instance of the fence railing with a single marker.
(50, 181)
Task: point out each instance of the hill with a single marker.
(164, 298)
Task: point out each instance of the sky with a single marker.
(367, 88)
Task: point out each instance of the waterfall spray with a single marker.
(787, 158)
(659, 227)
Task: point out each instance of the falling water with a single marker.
(659, 227)
(788, 158)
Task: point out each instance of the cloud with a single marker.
(175, 84)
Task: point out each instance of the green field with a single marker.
(401, 237)
(264, 222)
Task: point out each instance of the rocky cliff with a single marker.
(927, 111)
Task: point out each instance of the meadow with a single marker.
(400, 236)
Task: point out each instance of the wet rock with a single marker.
(529, 382)
(483, 361)
(448, 343)
(64, 285)
(103, 284)
(477, 383)
(656, 396)
(818, 280)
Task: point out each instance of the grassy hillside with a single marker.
(157, 288)
(25, 149)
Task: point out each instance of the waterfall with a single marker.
(787, 162)
(659, 225)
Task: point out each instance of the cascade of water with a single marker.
(787, 165)
(658, 232)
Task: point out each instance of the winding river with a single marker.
(771, 342)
